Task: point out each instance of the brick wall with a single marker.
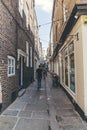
(7, 47)
(12, 37)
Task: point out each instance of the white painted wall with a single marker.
(84, 34)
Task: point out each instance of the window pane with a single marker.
(12, 70)
(71, 47)
(66, 71)
(12, 62)
(9, 62)
(62, 70)
(9, 70)
(72, 73)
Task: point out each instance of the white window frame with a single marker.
(11, 66)
(30, 56)
(21, 7)
(27, 53)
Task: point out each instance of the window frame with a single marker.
(27, 53)
(72, 73)
(31, 56)
(11, 66)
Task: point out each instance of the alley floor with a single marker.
(47, 109)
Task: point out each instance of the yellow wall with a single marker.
(84, 35)
(79, 66)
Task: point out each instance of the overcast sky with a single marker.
(44, 13)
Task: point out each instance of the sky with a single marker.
(44, 14)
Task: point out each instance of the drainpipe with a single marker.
(17, 62)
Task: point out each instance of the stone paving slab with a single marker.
(24, 113)
(7, 123)
(10, 112)
(68, 120)
(17, 105)
(36, 107)
(32, 124)
(66, 112)
(26, 98)
(74, 127)
(54, 125)
(40, 114)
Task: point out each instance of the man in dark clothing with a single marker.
(39, 76)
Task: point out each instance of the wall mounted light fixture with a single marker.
(76, 36)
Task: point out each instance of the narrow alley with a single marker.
(46, 109)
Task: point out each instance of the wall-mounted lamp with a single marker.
(76, 16)
(66, 10)
(76, 36)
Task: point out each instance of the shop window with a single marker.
(11, 66)
(66, 70)
(72, 67)
(72, 73)
(62, 70)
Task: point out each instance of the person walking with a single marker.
(39, 77)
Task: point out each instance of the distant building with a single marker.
(37, 49)
(50, 52)
(43, 56)
(70, 49)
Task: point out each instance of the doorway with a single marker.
(21, 72)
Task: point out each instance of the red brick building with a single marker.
(16, 47)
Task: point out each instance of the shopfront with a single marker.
(68, 67)
(73, 66)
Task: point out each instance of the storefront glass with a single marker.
(66, 70)
(72, 73)
(72, 67)
(62, 70)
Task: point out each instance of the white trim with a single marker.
(30, 56)
(21, 53)
(27, 53)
